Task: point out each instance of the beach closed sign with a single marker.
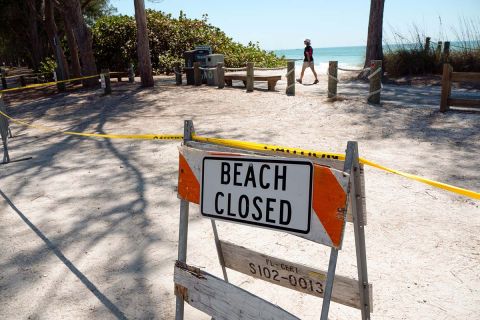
(270, 193)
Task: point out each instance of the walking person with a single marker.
(308, 61)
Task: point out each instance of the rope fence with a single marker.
(375, 79)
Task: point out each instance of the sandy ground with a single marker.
(89, 227)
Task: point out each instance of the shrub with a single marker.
(409, 56)
(115, 42)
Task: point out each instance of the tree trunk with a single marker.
(83, 38)
(35, 47)
(143, 48)
(375, 26)
(52, 34)
(72, 45)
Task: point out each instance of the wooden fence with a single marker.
(448, 77)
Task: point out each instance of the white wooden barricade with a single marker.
(306, 197)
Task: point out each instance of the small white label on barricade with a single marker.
(272, 193)
(102, 80)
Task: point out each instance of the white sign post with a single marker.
(271, 193)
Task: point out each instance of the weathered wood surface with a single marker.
(470, 103)
(333, 75)
(336, 164)
(249, 84)
(222, 300)
(446, 87)
(290, 91)
(375, 82)
(220, 75)
(289, 274)
(465, 76)
(272, 80)
(197, 74)
(106, 75)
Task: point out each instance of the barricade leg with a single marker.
(4, 132)
(183, 226)
(359, 231)
(327, 296)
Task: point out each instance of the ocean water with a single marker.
(352, 57)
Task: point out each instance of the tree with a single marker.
(143, 48)
(83, 38)
(375, 31)
(52, 33)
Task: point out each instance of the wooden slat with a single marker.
(256, 78)
(290, 275)
(220, 299)
(466, 76)
(464, 103)
(335, 164)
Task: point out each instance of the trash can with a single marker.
(189, 57)
(212, 61)
(201, 53)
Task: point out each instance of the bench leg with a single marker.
(119, 79)
(228, 83)
(271, 85)
(244, 83)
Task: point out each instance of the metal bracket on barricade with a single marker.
(302, 196)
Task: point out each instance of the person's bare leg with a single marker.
(313, 70)
(303, 72)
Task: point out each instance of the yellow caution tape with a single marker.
(333, 156)
(99, 135)
(258, 147)
(47, 84)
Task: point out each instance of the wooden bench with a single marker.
(271, 80)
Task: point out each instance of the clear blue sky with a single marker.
(283, 24)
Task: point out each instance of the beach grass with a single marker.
(409, 56)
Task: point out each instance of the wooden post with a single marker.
(197, 74)
(61, 73)
(220, 75)
(290, 91)
(375, 81)
(119, 77)
(178, 74)
(4, 132)
(446, 87)
(332, 78)
(438, 51)
(22, 81)
(446, 51)
(4, 81)
(250, 76)
(106, 85)
(131, 73)
(427, 44)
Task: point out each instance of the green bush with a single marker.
(48, 65)
(115, 42)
